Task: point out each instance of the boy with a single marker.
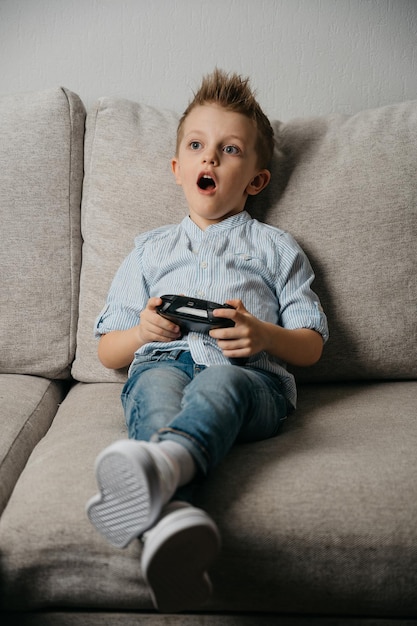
(186, 400)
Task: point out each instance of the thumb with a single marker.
(236, 304)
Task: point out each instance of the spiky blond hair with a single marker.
(233, 92)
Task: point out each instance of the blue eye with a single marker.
(195, 145)
(231, 150)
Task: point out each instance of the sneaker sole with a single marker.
(176, 556)
(127, 504)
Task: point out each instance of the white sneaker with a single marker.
(176, 555)
(135, 481)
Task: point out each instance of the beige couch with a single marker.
(317, 524)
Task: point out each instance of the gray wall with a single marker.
(304, 57)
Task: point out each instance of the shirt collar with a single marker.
(231, 222)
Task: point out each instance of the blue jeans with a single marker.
(205, 409)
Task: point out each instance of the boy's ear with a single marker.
(176, 170)
(258, 183)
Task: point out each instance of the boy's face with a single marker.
(216, 163)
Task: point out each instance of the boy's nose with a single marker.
(210, 158)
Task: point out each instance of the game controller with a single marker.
(193, 314)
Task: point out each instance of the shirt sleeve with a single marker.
(300, 306)
(127, 297)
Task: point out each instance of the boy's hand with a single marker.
(246, 338)
(118, 347)
(154, 327)
(298, 346)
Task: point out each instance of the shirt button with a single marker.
(203, 265)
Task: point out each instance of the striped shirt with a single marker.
(237, 258)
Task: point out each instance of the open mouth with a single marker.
(206, 183)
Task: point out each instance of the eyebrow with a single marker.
(202, 132)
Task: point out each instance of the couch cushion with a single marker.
(128, 188)
(60, 544)
(350, 200)
(346, 189)
(27, 407)
(319, 520)
(41, 168)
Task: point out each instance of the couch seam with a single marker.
(27, 422)
(74, 311)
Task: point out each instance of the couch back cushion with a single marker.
(41, 170)
(344, 186)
